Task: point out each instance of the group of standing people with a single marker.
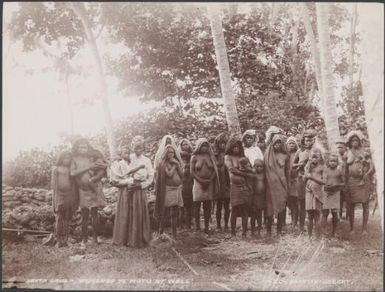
(239, 176)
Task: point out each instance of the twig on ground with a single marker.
(223, 286)
(185, 262)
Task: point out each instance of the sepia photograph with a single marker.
(206, 146)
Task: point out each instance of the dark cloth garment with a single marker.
(277, 188)
(139, 230)
(120, 232)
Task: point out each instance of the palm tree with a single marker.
(80, 11)
(313, 46)
(372, 36)
(224, 70)
(330, 106)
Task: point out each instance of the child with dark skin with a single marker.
(99, 173)
(64, 197)
(245, 167)
(314, 195)
(334, 180)
(300, 160)
(259, 189)
(341, 150)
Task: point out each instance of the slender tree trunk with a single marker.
(224, 70)
(314, 50)
(294, 62)
(330, 113)
(372, 41)
(352, 43)
(79, 9)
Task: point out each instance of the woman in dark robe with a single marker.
(277, 167)
(358, 175)
(222, 195)
(240, 191)
(204, 170)
(139, 232)
(90, 194)
(185, 150)
(121, 176)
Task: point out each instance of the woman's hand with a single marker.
(175, 161)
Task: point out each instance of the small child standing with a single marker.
(96, 175)
(259, 190)
(334, 181)
(246, 168)
(64, 197)
(314, 196)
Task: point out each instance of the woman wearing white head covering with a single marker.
(139, 232)
(252, 151)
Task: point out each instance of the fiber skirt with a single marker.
(314, 196)
(332, 200)
(239, 195)
(173, 196)
(202, 194)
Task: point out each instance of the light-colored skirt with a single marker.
(314, 196)
(200, 194)
(332, 200)
(173, 196)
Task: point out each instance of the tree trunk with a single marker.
(352, 42)
(314, 50)
(294, 63)
(372, 36)
(224, 70)
(330, 106)
(79, 9)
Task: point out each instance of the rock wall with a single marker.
(31, 208)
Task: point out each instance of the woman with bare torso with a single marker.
(204, 170)
(240, 192)
(90, 196)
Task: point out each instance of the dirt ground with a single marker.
(217, 262)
